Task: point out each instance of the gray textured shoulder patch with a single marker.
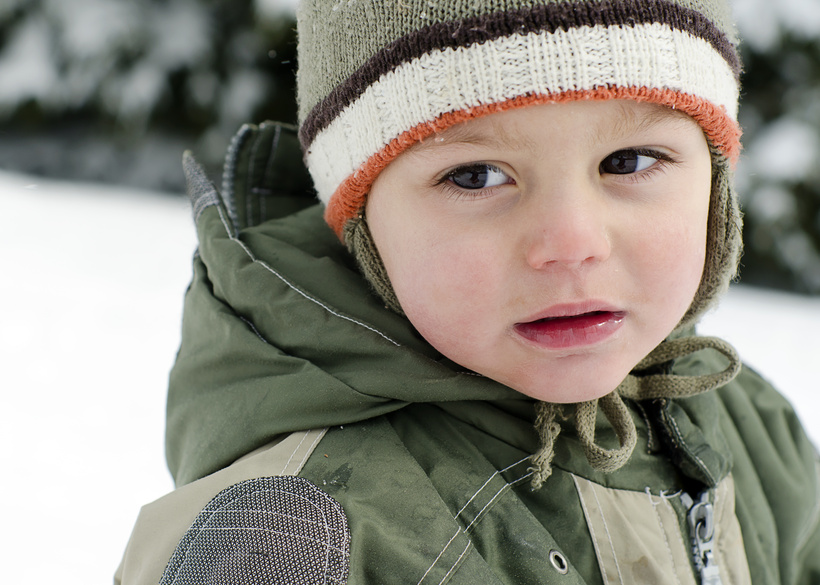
(264, 531)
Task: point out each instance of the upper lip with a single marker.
(564, 310)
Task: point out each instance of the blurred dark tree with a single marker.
(779, 174)
(115, 90)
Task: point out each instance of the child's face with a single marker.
(551, 247)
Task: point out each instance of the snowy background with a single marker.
(89, 325)
(114, 90)
(93, 275)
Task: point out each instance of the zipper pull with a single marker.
(701, 519)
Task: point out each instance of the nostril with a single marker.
(572, 242)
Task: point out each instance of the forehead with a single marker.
(595, 122)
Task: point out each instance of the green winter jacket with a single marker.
(293, 381)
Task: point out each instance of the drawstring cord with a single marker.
(634, 387)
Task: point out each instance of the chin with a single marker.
(569, 391)
(574, 383)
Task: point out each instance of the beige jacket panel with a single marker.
(162, 523)
(637, 536)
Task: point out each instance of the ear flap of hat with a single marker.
(724, 243)
(360, 242)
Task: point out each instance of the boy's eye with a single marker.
(625, 162)
(478, 176)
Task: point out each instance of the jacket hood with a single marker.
(280, 333)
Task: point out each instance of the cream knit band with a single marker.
(377, 76)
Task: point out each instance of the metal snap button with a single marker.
(559, 562)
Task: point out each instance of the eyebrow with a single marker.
(629, 123)
(495, 136)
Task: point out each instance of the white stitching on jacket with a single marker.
(609, 538)
(292, 455)
(497, 472)
(686, 448)
(455, 564)
(503, 489)
(312, 447)
(661, 526)
(446, 546)
(255, 260)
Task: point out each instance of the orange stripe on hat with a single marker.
(350, 197)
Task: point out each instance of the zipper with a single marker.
(701, 520)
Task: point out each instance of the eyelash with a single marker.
(453, 190)
(663, 160)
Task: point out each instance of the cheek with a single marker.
(447, 292)
(451, 279)
(674, 254)
(428, 268)
(683, 262)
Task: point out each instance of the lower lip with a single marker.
(568, 332)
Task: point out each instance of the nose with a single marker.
(569, 229)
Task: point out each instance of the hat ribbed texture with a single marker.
(377, 77)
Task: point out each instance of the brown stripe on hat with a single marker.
(477, 29)
(349, 198)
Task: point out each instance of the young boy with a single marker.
(505, 386)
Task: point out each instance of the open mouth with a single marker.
(572, 330)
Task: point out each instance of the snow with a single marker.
(786, 150)
(27, 69)
(118, 53)
(771, 203)
(273, 9)
(244, 90)
(761, 22)
(91, 305)
(182, 34)
(135, 93)
(91, 28)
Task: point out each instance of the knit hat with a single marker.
(377, 76)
